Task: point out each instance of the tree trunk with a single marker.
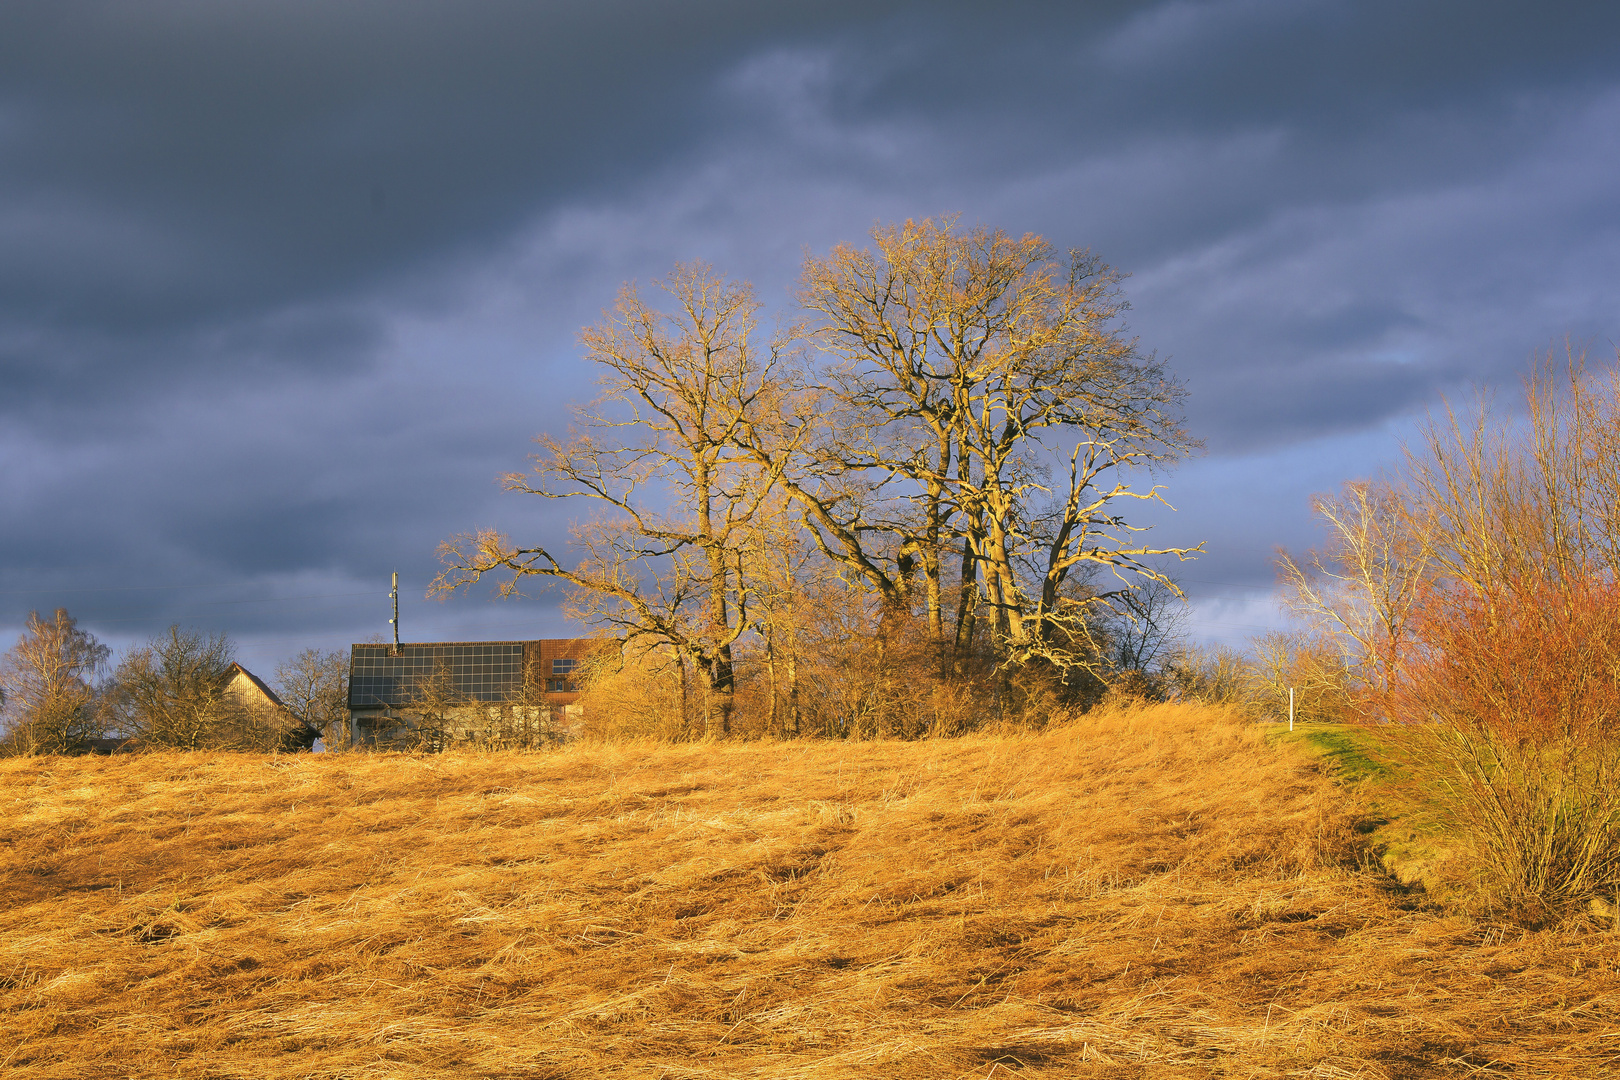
(793, 690)
(770, 677)
(686, 693)
(722, 688)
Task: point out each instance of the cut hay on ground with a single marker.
(1146, 894)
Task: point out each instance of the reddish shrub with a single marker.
(1532, 663)
(1508, 725)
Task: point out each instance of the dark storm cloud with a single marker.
(284, 285)
(175, 172)
(184, 168)
(1245, 134)
(1330, 69)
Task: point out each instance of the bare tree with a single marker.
(437, 714)
(781, 570)
(983, 401)
(1361, 591)
(1502, 502)
(314, 686)
(1312, 666)
(1213, 674)
(171, 693)
(47, 687)
(1143, 630)
(639, 691)
(657, 454)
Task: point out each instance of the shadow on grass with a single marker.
(1399, 829)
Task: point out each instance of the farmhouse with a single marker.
(438, 694)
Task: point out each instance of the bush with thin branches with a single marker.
(173, 694)
(1510, 715)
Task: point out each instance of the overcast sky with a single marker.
(285, 285)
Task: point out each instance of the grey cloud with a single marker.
(1199, 68)
(176, 166)
(283, 148)
(1332, 102)
(284, 285)
(269, 513)
(181, 171)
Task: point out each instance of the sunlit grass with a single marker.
(1155, 892)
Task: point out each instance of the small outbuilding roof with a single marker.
(258, 683)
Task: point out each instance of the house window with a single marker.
(562, 672)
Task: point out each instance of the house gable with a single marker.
(251, 691)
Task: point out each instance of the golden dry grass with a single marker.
(1154, 893)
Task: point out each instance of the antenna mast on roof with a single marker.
(394, 596)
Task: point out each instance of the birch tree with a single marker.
(1362, 590)
(47, 686)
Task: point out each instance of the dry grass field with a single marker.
(1151, 893)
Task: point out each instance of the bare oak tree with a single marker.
(983, 401)
(665, 563)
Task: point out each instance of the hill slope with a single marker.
(1147, 894)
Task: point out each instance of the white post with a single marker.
(1290, 708)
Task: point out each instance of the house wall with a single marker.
(540, 657)
(488, 726)
(549, 712)
(266, 709)
(250, 695)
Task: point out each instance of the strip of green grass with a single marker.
(1349, 749)
(1409, 847)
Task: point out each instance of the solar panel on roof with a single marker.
(477, 672)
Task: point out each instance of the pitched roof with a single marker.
(237, 669)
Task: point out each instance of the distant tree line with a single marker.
(60, 695)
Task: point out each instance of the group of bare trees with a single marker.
(59, 694)
(314, 686)
(929, 468)
(1485, 503)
